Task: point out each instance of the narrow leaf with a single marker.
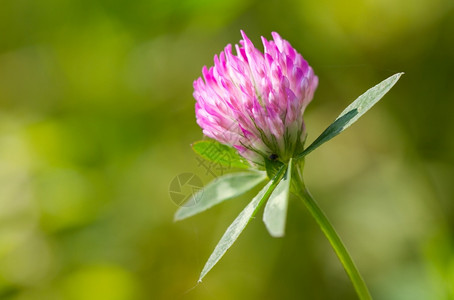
(276, 208)
(218, 190)
(218, 153)
(235, 229)
(353, 112)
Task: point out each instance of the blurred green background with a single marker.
(96, 119)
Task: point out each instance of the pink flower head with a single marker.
(255, 101)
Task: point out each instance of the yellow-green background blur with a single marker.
(96, 119)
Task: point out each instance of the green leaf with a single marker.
(353, 112)
(218, 153)
(276, 208)
(218, 190)
(239, 224)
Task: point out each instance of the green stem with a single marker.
(331, 235)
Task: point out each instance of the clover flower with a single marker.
(255, 101)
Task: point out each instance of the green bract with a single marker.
(218, 153)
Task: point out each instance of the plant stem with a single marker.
(331, 235)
